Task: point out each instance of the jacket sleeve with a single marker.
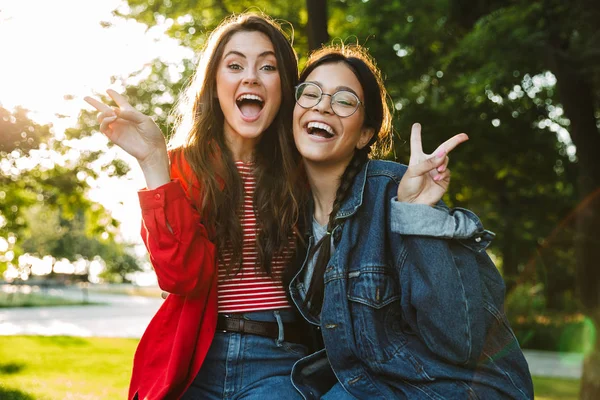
(180, 251)
(438, 221)
(443, 295)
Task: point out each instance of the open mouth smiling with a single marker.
(250, 105)
(320, 129)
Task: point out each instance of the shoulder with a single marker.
(385, 169)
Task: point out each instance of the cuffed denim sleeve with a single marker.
(438, 221)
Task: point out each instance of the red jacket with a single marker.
(177, 339)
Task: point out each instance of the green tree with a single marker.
(44, 209)
(560, 37)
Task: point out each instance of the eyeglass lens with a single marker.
(343, 102)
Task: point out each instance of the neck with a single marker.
(241, 148)
(324, 181)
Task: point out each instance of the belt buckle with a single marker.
(226, 316)
(240, 327)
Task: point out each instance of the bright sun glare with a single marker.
(59, 48)
(56, 52)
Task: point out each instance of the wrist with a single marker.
(156, 169)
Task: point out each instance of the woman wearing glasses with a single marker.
(408, 302)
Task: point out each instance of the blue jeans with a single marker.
(246, 366)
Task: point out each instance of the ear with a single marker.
(365, 135)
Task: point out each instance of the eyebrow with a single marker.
(336, 89)
(261, 55)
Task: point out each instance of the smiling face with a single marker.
(248, 88)
(321, 136)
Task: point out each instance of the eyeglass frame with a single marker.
(360, 102)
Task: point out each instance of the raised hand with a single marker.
(427, 177)
(137, 134)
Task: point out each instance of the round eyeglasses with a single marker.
(343, 102)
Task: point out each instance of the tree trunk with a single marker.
(317, 23)
(590, 379)
(576, 96)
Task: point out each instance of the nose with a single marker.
(324, 106)
(251, 77)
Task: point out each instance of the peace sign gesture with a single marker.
(427, 177)
(135, 133)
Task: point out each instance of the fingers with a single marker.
(119, 99)
(444, 165)
(98, 105)
(125, 110)
(427, 165)
(105, 114)
(416, 146)
(105, 123)
(442, 177)
(451, 143)
(132, 115)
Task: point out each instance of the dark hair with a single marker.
(378, 116)
(199, 135)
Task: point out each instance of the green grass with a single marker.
(10, 300)
(555, 388)
(59, 367)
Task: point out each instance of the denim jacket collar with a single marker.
(355, 198)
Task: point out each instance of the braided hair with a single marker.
(378, 117)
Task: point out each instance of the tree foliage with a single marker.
(44, 208)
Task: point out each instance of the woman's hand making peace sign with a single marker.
(427, 177)
(137, 134)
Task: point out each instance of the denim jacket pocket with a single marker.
(373, 287)
(374, 301)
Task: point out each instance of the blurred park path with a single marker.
(128, 316)
(118, 316)
(557, 365)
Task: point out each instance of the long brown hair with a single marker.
(199, 134)
(378, 116)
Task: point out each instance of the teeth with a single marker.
(320, 125)
(250, 97)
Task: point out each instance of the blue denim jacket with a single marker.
(413, 305)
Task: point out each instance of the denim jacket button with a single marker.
(478, 239)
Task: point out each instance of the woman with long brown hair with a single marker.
(219, 214)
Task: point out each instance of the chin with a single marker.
(312, 157)
(250, 132)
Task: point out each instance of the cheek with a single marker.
(276, 91)
(221, 87)
(298, 111)
(354, 125)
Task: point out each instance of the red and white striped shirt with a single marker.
(251, 289)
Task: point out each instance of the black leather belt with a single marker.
(293, 332)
